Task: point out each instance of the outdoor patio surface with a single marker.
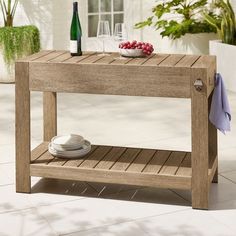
(57, 207)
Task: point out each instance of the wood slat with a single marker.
(38, 151)
(121, 61)
(65, 56)
(77, 162)
(111, 177)
(75, 59)
(139, 61)
(173, 163)
(95, 157)
(204, 61)
(49, 56)
(187, 61)
(44, 159)
(158, 160)
(156, 59)
(56, 161)
(141, 160)
(126, 159)
(172, 60)
(107, 59)
(92, 59)
(108, 161)
(36, 55)
(185, 167)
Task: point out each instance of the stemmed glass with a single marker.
(103, 32)
(120, 34)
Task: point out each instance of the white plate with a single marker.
(132, 53)
(67, 142)
(85, 149)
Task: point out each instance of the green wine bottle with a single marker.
(75, 33)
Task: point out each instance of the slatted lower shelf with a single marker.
(120, 165)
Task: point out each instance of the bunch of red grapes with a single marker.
(147, 48)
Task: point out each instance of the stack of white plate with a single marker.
(69, 146)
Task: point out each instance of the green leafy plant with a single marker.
(226, 27)
(16, 42)
(176, 18)
(19, 41)
(8, 9)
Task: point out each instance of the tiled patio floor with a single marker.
(87, 209)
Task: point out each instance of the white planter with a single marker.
(188, 44)
(226, 62)
(6, 76)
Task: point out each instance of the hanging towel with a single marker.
(220, 115)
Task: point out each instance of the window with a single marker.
(110, 10)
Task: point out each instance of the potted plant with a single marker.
(225, 48)
(182, 22)
(15, 42)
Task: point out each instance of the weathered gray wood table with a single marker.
(157, 76)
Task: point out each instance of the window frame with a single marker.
(100, 13)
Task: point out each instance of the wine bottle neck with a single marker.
(75, 7)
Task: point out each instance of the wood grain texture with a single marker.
(200, 143)
(113, 177)
(172, 60)
(156, 60)
(108, 161)
(23, 149)
(172, 164)
(187, 61)
(49, 115)
(110, 79)
(141, 160)
(157, 161)
(39, 151)
(98, 164)
(50, 56)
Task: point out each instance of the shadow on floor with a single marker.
(109, 191)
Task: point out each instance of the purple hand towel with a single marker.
(220, 115)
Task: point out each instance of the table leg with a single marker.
(204, 148)
(49, 115)
(23, 149)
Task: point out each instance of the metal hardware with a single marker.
(198, 84)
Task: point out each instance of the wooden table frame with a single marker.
(160, 75)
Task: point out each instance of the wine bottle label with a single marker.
(73, 46)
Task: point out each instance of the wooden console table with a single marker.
(160, 75)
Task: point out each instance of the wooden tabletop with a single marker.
(161, 60)
(162, 75)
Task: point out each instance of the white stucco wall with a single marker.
(53, 19)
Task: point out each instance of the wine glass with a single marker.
(103, 32)
(120, 34)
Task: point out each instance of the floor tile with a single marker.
(123, 229)
(227, 160)
(24, 223)
(231, 175)
(7, 174)
(7, 153)
(222, 192)
(44, 193)
(89, 213)
(190, 222)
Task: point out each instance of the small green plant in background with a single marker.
(8, 11)
(226, 27)
(16, 42)
(176, 18)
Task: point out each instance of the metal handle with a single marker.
(198, 84)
